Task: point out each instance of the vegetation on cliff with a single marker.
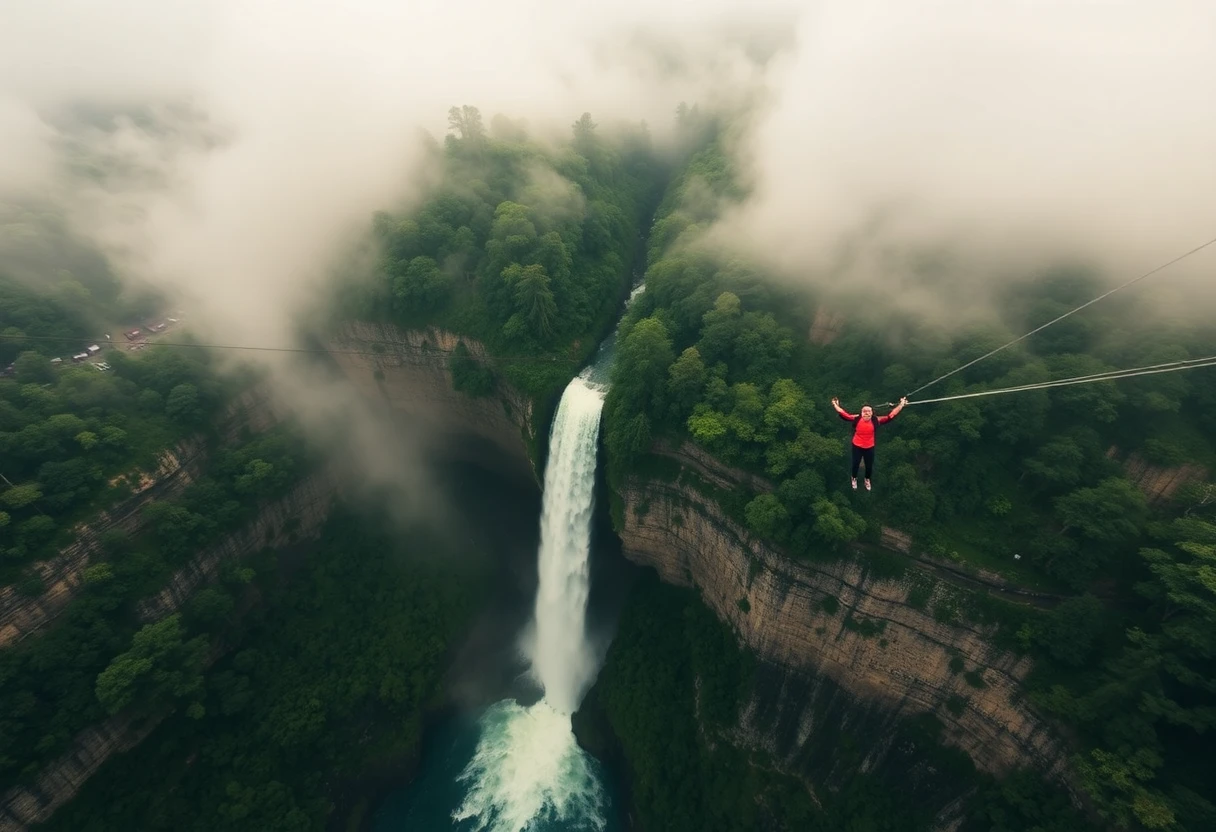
(97, 658)
(328, 672)
(524, 245)
(671, 690)
(716, 354)
(68, 432)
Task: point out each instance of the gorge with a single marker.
(653, 603)
(686, 538)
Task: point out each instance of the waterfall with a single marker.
(528, 771)
(561, 660)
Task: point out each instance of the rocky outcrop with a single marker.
(291, 519)
(176, 468)
(847, 644)
(21, 807)
(710, 468)
(826, 327)
(1159, 482)
(409, 370)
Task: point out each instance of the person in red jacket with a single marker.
(865, 426)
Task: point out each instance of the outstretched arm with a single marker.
(894, 412)
(844, 414)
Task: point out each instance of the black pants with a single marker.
(858, 455)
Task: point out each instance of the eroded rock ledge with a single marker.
(818, 622)
(409, 370)
(21, 615)
(290, 519)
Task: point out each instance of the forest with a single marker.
(522, 245)
(295, 673)
(717, 354)
(285, 681)
(70, 432)
(323, 676)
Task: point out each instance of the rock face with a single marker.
(1159, 482)
(61, 576)
(408, 369)
(841, 645)
(296, 517)
(290, 519)
(416, 382)
(826, 326)
(21, 807)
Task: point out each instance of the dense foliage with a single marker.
(524, 246)
(67, 431)
(97, 658)
(328, 672)
(714, 354)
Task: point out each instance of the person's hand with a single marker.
(835, 402)
(903, 401)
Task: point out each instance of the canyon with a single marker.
(838, 644)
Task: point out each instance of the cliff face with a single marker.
(58, 782)
(177, 467)
(416, 382)
(408, 370)
(838, 646)
(290, 519)
(296, 517)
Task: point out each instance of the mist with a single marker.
(990, 141)
(232, 154)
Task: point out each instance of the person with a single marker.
(865, 426)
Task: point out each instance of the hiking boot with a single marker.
(867, 485)
(854, 483)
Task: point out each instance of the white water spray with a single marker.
(528, 772)
(561, 659)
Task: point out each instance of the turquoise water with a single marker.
(431, 801)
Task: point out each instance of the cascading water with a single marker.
(528, 772)
(521, 770)
(561, 660)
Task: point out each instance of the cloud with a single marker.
(997, 136)
(229, 152)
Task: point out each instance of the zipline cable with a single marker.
(1020, 338)
(318, 351)
(1105, 375)
(1115, 375)
(1111, 374)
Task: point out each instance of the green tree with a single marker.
(533, 298)
(642, 368)
(767, 517)
(182, 403)
(1111, 512)
(467, 122)
(20, 496)
(421, 285)
(836, 524)
(686, 381)
(33, 368)
(1069, 631)
(160, 668)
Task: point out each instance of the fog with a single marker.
(230, 152)
(997, 137)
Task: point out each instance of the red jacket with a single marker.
(863, 431)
